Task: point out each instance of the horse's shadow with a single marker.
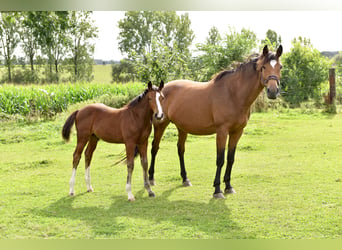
(206, 219)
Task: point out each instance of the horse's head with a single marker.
(155, 99)
(269, 67)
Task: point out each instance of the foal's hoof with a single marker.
(151, 194)
(90, 190)
(131, 199)
(187, 183)
(71, 194)
(229, 191)
(152, 182)
(219, 196)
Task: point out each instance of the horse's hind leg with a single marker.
(144, 164)
(81, 142)
(130, 151)
(88, 156)
(181, 150)
(159, 128)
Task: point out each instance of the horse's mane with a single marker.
(138, 99)
(254, 60)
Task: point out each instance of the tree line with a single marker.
(157, 45)
(48, 38)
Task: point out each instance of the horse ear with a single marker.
(149, 85)
(161, 85)
(265, 51)
(279, 51)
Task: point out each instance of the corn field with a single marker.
(48, 100)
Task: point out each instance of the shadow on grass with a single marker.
(202, 220)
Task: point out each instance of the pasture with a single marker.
(287, 175)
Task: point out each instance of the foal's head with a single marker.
(155, 99)
(269, 66)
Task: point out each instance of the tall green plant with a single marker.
(304, 72)
(219, 54)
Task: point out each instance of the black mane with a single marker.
(138, 99)
(254, 61)
(241, 67)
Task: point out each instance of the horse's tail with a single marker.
(123, 156)
(68, 125)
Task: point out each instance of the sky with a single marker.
(322, 27)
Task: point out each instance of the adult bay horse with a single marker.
(130, 125)
(220, 106)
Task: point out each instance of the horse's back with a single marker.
(100, 120)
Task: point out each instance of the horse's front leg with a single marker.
(144, 164)
(233, 140)
(130, 150)
(181, 150)
(221, 139)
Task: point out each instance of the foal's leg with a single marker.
(181, 149)
(88, 156)
(159, 128)
(130, 150)
(233, 140)
(81, 142)
(144, 164)
(221, 139)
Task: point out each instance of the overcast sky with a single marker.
(322, 27)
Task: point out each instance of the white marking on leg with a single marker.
(160, 110)
(273, 63)
(129, 192)
(72, 182)
(87, 179)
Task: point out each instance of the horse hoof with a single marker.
(151, 194)
(131, 199)
(219, 196)
(187, 183)
(71, 194)
(90, 190)
(229, 191)
(152, 182)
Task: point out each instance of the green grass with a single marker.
(102, 73)
(287, 175)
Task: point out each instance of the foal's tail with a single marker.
(123, 157)
(68, 125)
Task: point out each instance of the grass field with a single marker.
(287, 175)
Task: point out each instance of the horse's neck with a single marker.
(249, 88)
(142, 112)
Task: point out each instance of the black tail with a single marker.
(123, 156)
(68, 125)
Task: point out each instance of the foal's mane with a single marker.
(255, 61)
(140, 97)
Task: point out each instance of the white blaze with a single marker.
(273, 63)
(160, 110)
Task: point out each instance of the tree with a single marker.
(29, 42)
(81, 31)
(123, 71)
(9, 38)
(216, 55)
(156, 41)
(51, 32)
(305, 69)
(213, 37)
(272, 40)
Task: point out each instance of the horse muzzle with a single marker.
(272, 84)
(158, 116)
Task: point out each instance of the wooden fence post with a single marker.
(332, 92)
